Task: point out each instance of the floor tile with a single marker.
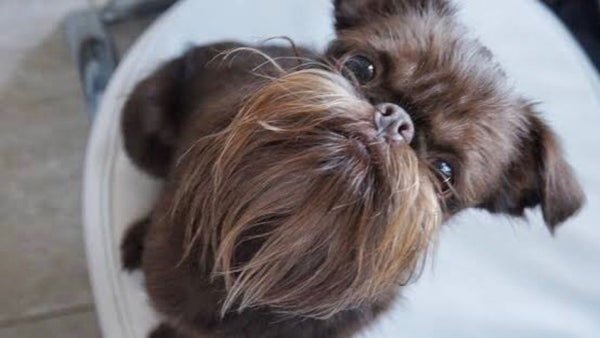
(43, 135)
(25, 24)
(77, 325)
(44, 72)
(43, 261)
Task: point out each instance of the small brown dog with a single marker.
(302, 191)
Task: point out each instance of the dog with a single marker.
(303, 190)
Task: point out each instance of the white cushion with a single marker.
(491, 276)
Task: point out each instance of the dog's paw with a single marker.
(132, 247)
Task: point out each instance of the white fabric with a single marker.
(491, 277)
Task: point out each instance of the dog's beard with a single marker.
(295, 207)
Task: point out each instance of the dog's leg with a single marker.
(132, 247)
(151, 119)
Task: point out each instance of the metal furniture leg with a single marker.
(92, 46)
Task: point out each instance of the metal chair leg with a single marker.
(92, 46)
(94, 53)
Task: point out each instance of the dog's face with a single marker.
(324, 192)
(310, 202)
(484, 142)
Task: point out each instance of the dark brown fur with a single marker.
(463, 110)
(278, 223)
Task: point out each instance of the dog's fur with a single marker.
(283, 214)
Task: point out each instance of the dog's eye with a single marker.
(361, 68)
(445, 173)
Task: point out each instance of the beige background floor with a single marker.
(44, 285)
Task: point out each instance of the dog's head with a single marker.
(325, 191)
(484, 142)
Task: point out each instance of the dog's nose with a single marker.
(394, 123)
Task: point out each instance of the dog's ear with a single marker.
(540, 176)
(353, 13)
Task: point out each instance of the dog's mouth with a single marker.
(368, 144)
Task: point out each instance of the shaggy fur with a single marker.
(284, 214)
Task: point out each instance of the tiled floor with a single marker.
(44, 285)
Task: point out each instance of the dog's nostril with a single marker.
(406, 130)
(388, 110)
(403, 128)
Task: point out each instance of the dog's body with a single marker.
(297, 201)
